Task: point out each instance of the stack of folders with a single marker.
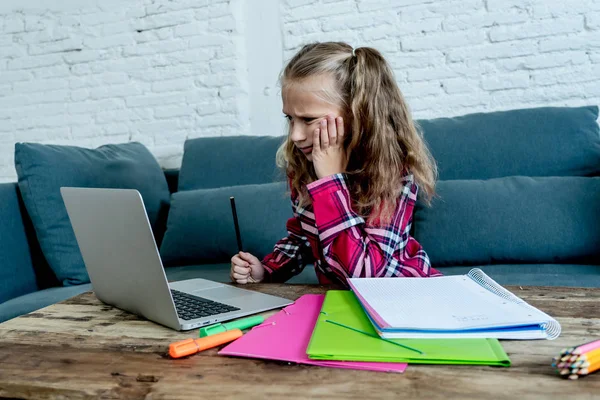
(463, 306)
(382, 324)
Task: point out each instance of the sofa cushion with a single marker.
(17, 275)
(545, 141)
(572, 275)
(40, 299)
(43, 169)
(200, 226)
(512, 219)
(213, 162)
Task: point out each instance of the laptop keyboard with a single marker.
(191, 307)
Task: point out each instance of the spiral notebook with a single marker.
(461, 306)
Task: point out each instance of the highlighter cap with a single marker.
(212, 330)
(183, 348)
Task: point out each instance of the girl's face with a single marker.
(304, 107)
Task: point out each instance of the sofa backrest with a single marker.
(543, 141)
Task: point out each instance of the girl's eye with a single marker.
(308, 120)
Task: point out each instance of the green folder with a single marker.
(343, 332)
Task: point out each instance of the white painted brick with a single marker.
(213, 11)
(551, 9)
(570, 42)
(93, 106)
(169, 72)
(226, 23)
(13, 51)
(154, 35)
(123, 115)
(116, 129)
(436, 9)
(13, 24)
(595, 57)
(337, 23)
(165, 19)
(536, 29)
(227, 64)
(106, 42)
(56, 71)
(370, 5)
(6, 39)
(115, 28)
(216, 120)
(34, 61)
(518, 79)
(40, 85)
(153, 48)
(443, 40)
(80, 94)
(498, 5)
(60, 46)
(172, 85)
(416, 89)
(98, 18)
(418, 59)
(192, 29)
(224, 79)
(163, 127)
(98, 80)
(35, 23)
(418, 27)
(493, 50)
(174, 136)
(566, 75)
(460, 85)
(303, 27)
(192, 56)
(173, 111)
(105, 92)
(53, 121)
(162, 7)
(592, 21)
(85, 55)
(484, 20)
(36, 135)
(14, 76)
(87, 132)
(424, 74)
(205, 40)
(169, 156)
(291, 4)
(149, 100)
(549, 60)
(5, 90)
(309, 12)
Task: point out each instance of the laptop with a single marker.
(120, 254)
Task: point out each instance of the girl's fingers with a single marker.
(241, 281)
(236, 260)
(339, 123)
(317, 140)
(324, 135)
(332, 131)
(238, 277)
(241, 270)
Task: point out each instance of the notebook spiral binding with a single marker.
(552, 327)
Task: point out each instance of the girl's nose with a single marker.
(297, 134)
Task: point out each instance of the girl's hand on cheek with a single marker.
(328, 155)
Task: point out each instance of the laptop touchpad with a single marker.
(222, 293)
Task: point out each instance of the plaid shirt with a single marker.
(341, 244)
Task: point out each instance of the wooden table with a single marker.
(81, 348)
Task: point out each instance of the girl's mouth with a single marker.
(306, 150)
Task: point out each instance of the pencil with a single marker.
(237, 226)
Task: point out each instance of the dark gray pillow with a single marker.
(513, 219)
(212, 162)
(200, 226)
(544, 141)
(43, 169)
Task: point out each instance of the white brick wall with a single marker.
(92, 72)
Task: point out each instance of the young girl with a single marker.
(354, 160)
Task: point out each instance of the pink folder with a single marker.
(285, 336)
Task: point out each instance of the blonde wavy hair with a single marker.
(382, 140)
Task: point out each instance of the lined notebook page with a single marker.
(442, 303)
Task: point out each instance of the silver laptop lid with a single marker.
(116, 241)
